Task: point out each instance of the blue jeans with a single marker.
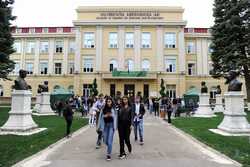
(108, 135)
(138, 126)
(151, 109)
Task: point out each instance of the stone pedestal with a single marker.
(219, 105)
(38, 102)
(45, 108)
(204, 109)
(20, 120)
(235, 121)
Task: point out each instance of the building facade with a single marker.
(127, 49)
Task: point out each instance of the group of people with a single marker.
(118, 114)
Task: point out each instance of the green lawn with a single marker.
(16, 148)
(237, 148)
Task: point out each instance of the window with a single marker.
(145, 65)
(171, 91)
(17, 46)
(190, 48)
(71, 89)
(129, 40)
(71, 46)
(146, 40)
(59, 46)
(44, 47)
(113, 40)
(43, 68)
(112, 90)
(210, 50)
(56, 87)
(30, 47)
(87, 89)
(170, 64)
(170, 40)
(88, 65)
(129, 65)
(89, 40)
(58, 68)
(191, 69)
(45, 30)
(71, 68)
(113, 65)
(32, 30)
(16, 69)
(29, 68)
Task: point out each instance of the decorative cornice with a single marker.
(43, 35)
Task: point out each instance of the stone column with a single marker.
(205, 56)
(199, 57)
(160, 48)
(121, 45)
(137, 49)
(36, 62)
(204, 109)
(99, 44)
(181, 48)
(219, 106)
(65, 56)
(51, 54)
(78, 45)
(22, 62)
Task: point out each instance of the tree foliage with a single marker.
(94, 90)
(162, 90)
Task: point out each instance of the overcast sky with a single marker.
(198, 13)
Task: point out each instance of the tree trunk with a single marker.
(247, 83)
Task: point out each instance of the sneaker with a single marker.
(97, 146)
(122, 156)
(141, 143)
(108, 158)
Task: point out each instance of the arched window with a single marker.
(71, 88)
(57, 87)
(145, 65)
(1, 90)
(129, 64)
(113, 65)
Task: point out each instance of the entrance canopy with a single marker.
(135, 75)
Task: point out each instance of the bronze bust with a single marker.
(20, 83)
(218, 91)
(44, 87)
(233, 83)
(203, 87)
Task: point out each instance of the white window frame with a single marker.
(170, 40)
(129, 63)
(170, 66)
(88, 65)
(171, 91)
(72, 46)
(71, 67)
(59, 44)
(17, 46)
(145, 65)
(89, 40)
(29, 70)
(146, 40)
(30, 47)
(43, 48)
(129, 40)
(55, 68)
(113, 40)
(190, 49)
(42, 69)
(193, 69)
(115, 64)
(16, 68)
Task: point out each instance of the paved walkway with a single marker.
(164, 147)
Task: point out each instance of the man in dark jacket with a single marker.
(138, 113)
(68, 115)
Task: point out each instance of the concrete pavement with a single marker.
(164, 147)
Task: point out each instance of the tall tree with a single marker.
(231, 39)
(162, 91)
(94, 90)
(6, 40)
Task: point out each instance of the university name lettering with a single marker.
(128, 15)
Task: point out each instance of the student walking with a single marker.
(68, 115)
(125, 117)
(138, 112)
(107, 124)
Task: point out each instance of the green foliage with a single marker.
(94, 91)
(6, 39)
(237, 148)
(16, 148)
(162, 91)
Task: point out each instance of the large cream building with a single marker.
(141, 45)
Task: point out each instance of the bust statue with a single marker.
(203, 87)
(20, 83)
(218, 91)
(233, 83)
(44, 87)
